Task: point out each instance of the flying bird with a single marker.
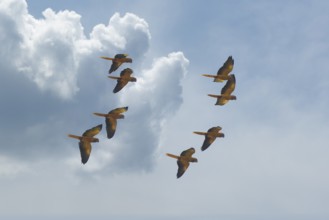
(117, 61)
(122, 81)
(111, 119)
(183, 161)
(210, 136)
(226, 92)
(224, 70)
(85, 141)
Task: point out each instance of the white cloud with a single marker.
(56, 56)
(152, 100)
(49, 51)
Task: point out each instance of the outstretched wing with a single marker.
(188, 153)
(214, 129)
(111, 125)
(85, 150)
(182, 167)
(120, 84)
(126, 73)
(227, 67)
(229, 86)
(207, 142)
(119, 110)
(115, 65)
(93, 131)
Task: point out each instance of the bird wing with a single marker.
(229, 86)
(188, 152)
(85, 150)
(119, 110)
(227, 67)
(126, 73)
(182, 167)
(93, 131)
(207, 141)
(120, 55)
(111, 125)
(120, 84)
(215, 129)
(115, 65)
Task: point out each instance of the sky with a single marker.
(272, 162)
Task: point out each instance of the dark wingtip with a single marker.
(109, 136)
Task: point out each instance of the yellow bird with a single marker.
(122, 81)
(117, 61)
(85, 140)
(226, 92)
(111, 120)
(210, 136)
(183, 161)
(224, 70)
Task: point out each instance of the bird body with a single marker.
(122, 81)
(210, 136)
(226, 92)
(183, 161)
(111, 119)
(117, 61)
(85, 141)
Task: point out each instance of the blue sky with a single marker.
(272, 162)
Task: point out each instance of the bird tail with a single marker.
(228, 97)
(217, 78)
(107, 58)
(100, 114)
(74, 136)
(215, 96)
(114, 77)
(173, 156)
(200, 133)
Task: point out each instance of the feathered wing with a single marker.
(93, 131)
(227, 67)
(120, 84)
(115, 65)
(207, 142)
(188, 153)
(126, 73)
(85, 150)
(182, 167)
(214, 129)
(119, 110)
(111, 125)
(229, 86)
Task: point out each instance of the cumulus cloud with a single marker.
(49, 50)
(56, 80)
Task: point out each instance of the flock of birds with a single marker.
(111, 117)
(183, 161)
